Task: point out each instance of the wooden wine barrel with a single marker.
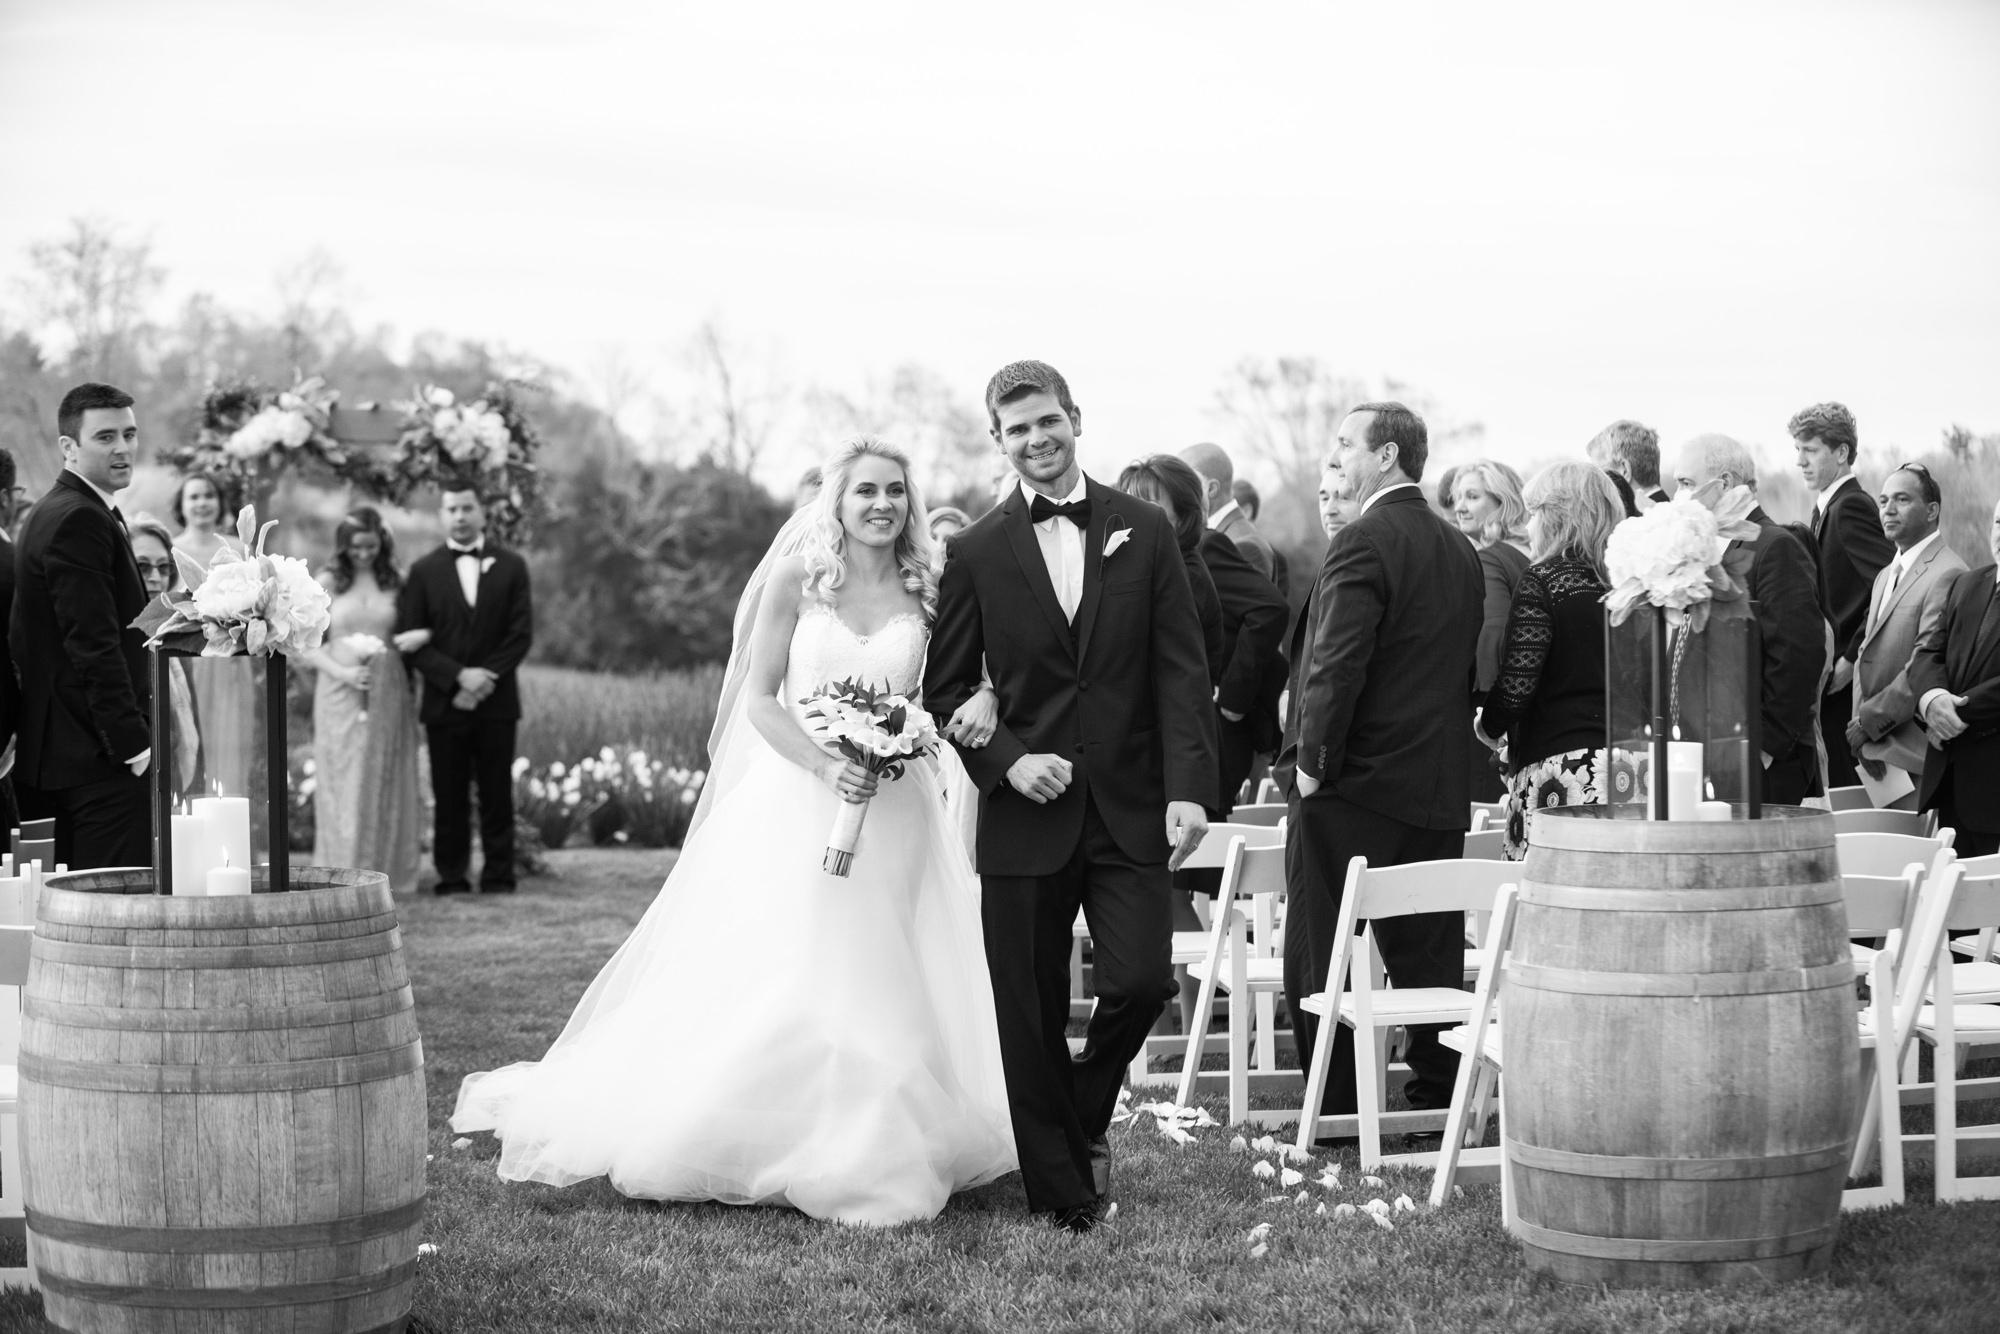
(222, 1107)
(1679, 1048)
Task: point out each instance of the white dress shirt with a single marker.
(1826, 496)
(1061, 541)
(467, 561)
(1369, 503)
(1215, 519)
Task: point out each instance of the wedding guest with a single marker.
(1380, 691)
(1906, 605)
(1218, 497)
(365, 806)
(10, 688)
(228, 692)
(1784, 593)
(1630, 450)
(1547, 704)
(1852, 550)
(1628, 502)
(153, 551)
(1486, 504)
(1336, 511)
(1445, 503)
(85, 740)
(1246, 495)
(472, 595)
(1956, 675)
(945, 521)
(1175, 488)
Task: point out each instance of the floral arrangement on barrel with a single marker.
(1676, 557)
(250, 432)
(487, 444)
(876, 729)
(257, 604)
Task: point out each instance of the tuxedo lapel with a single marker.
(1027, 551)
(1103, 505)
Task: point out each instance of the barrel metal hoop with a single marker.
(232, 1298)
(1661, 1249)
(1589, 982)
(232, 1019)
(1604, 1166)
(261, 1077)
(228, 1240)
(1748, 898)
(216, 956)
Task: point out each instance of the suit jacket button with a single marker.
(1083, 685)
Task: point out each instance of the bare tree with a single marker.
(313, 296)
(736, 404)
(616, 382)
(94, 289)
(917, 409)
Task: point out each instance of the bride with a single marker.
(769, 1033)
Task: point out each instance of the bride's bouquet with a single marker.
(878, 730)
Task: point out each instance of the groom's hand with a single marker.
(1187, 825)
(1040, 778)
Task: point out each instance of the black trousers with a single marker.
(463, 754)
(1422, 950)
(1836, 707)
(106, 823)
(1951, 814)
(1792, 778)
(1060, 1103)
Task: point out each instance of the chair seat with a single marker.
(1259, 973)
(1459, 1040)
(1190, 946)
(1475, 961)
(1417, 1005)
(1970, 1023)
(10, 1087)
(1975, 983)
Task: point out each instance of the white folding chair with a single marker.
(15, 939)
(1489, 814)
(1252, 973)
(1977, 981)
(1478, 1045)
(1853, 798)
(1373, 894)
(1921, 824)
(1266, 813)
(1267, 792)
(1884, 906)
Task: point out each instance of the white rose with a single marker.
(298, 608)
(231, 591)
(293, 429)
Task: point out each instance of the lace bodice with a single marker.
(825, 648)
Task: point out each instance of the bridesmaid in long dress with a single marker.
(365, 804)
(228, 697)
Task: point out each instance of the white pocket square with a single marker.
(1115, 541)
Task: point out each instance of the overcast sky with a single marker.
(1548, 216)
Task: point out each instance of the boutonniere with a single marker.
(1115, 538)
(486, 565)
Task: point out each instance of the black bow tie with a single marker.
(463, 552)
(1076, 511)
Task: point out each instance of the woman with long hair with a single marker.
(857, 1076)
(153, 549)
(1546, 709)
(366, 811)
(1486, 503)
(228, 692)
(1172, 484)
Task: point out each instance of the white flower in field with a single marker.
(1290, 1177)
(1259, 1251)
(1239, 1145)
(1344, 1211)
(1404, 1205)
(1296, 1154)
(556, 769)
(521, 766)
(1378, 1205)
(1263, 1171)
(1261, 1231)
(1372, 1183)
(1264, 1144)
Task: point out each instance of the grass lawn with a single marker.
(496, 978)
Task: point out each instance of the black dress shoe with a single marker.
(1078, 1218)
(444, 887)
(1100, 1165)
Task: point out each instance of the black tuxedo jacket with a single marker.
(10, 685)
(1853, 549)
(1123, 695)
(495, 635)
(1383, 674)
(1785, 595)
(85, 687)
(1962, 655)
(1253, 636)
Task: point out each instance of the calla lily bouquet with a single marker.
(258, 604)
(877, 729)
(1676, 557)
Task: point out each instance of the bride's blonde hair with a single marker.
(826, 540)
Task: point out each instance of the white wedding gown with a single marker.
(773, 1034)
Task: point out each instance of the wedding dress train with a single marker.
(773, 1034)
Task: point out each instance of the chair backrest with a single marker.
(1886, 854)
(14, 942)
(1935, 905)
(1917, 823)
(1265, 813)
(1267, 792)
(1977, 905)
(1881, 904)
(1459, 885)
(1849, 799)
(1486, 845)
(1214, 848)
(1494, 811)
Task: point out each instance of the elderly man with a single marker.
(1956, 675)
(1225, 516)
(1785, 591)
(1633, 452)
(1905, 606)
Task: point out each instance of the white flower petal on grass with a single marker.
(1320, 1212)
(1263, 1171)
(1404, 1205)
(1261, 1231)
(1239, 1145)
(1259, 1251)
(1202, 1118)
(1175, 1133)
(426, 1249)
(1378, 1205)
(1373, 1183)
(1264, 1144)
(1458, 1192)
(1296, 1154)
(461, 1143)
(1300, 1198)
(1344, 1211)
(1290, 1177)
(1382, 1221)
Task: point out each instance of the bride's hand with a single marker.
(849, 781)
(974, 723)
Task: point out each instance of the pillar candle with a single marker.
(1684, 780)
(194, 854)
(229, 828)
(1716, 811)
(225, 880)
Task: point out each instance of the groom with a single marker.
(1075, 599)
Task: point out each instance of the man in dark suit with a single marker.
(1956, 676)
(1852, 551)
(1382, 680)
(1075, 599)
(1252, 506)
(1631, 450)
(1253, 672)
(472, 595)
(10, 685)
(1225, 515)
(1793, 634)
(84, 742)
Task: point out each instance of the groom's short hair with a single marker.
(1394, 424)
(1018, 379)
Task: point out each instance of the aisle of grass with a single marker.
(496, 978)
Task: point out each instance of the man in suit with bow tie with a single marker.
(472, 595)
(1075, 599)
(1956, 676)
(1906, 605)
(1852, 551)
(85, 737)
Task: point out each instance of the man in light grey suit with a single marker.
(1225, 516)
(1906, 605)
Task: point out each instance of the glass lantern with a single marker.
(1682, 717)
